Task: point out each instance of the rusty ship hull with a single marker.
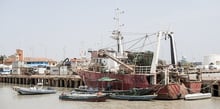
(125, 81)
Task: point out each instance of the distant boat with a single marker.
(133, 97)
(197, 96)
(91, 97)
(34, 90)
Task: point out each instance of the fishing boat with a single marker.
(137, 69)
(120, 65)
(133, 97)
(91, 97)
(197, 96)
(38, 89)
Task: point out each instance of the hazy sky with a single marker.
(62, 28)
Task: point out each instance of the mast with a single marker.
(116, 34)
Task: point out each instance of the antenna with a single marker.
(64, 52)
(116, 34)
(118, 12)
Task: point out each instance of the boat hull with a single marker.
(171, 91)
(89, 98)
(126, 81)
(28, 91)
(133, 97)
(197, 96)
(134, 91)
(193, 86)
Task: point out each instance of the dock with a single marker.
(210, 80)
(68, 81)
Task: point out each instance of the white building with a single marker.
(212, 61)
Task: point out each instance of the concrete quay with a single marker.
(68, 81)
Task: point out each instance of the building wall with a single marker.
(213, 58)
(20, 54)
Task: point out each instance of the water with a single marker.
(9, 99)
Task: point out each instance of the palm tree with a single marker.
(2, 58)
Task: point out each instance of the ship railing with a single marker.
(142, 69)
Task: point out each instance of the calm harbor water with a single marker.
(9, 99)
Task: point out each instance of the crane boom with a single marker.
(103, 53)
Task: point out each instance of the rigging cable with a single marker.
(149, 35)
(146, 44)
(136, 43)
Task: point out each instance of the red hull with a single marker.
(193, 86)
(171, 91)
(177, 91)
(126, 81)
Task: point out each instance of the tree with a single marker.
(2, 58)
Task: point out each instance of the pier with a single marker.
(68, 81)
(210, 80)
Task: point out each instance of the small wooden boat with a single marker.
(133, 97)
(197, 96)
(92, 97)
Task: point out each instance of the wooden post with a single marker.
(81, 82)
(16, 82)
(12, 80)
(3, 79)
(27, 80)
(23, 80)
(65, 83)
(61, 81)
(9, 80)
(49, 82)
(57, 83)
(70, 83)
(44, 81)
(19, 80)
(35, 81)
(75, 83)
(53, 82)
